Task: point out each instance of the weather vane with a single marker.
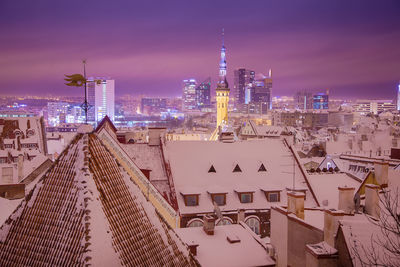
(79, 80)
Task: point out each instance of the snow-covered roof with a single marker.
(191, 162)
(325, 187)
(216, 250)
(77, 216)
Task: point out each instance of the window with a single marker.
(262, 168)
(273, 196)
(195, 223)
(237, 168)
(246, 197)
(254, 224)
(191, 200)
(225, 221)
(212, 169)
(219, 199)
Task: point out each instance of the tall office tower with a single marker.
(243, 78)
(398, 96)
(101, 98)
(203, 94)
(262, 94)
(303, 100)
(222, 90)
(189, 95)
(321, 101)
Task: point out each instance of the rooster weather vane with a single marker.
(79, 80)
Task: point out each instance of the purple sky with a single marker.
(149, 47)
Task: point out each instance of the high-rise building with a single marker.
(398, 96)
(303, 100)
(243, 79)
(222, 90)
(101, 98)
(189, 95)
(203, 94)
(321, 101)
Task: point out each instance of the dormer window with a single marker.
(262, 168)
(237, 168)
(219, 199)
(191, 200)
(246, 197)
(272, 195)
(212, 169)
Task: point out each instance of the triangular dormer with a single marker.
(212, 169)
(262, 168)
(237, 168)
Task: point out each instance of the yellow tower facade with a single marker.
(222, 104)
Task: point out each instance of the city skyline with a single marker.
(350, 48)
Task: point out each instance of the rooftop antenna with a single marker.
(85, 105)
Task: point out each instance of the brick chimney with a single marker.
(331, 223)
(20, 166)
(241, 215)
(346, 199)
(209, 224)
(381, 172)
(372, 200)
(295, 203)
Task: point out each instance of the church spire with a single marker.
(222, 63)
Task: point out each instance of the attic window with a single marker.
(262, 168)
(212, 169)
(237, 168)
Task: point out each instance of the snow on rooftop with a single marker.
(191, 160)
(325, 187)
(216, 250)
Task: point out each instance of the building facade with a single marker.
(303, 100)
(101, 98)
(189, 95)
(321, 101)
(203, 94)
(242, 86)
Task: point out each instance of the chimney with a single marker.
(193, 248)
(241, 215)
(381, 172)
(346, 199)
(20, 166)
(295, 203)
(209, 224)
(331, 223)
(372, 200)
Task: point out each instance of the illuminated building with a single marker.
(303, 100)
(321, 101)
(203, 94)
(373, 106)
(242, 86)
(189, 95)
(222, 90)
(101, 95)
(56, 112)
(153, 105)
(398, 96)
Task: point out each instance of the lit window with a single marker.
(254, 224)
(219, 199)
